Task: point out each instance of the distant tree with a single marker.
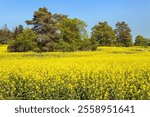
(104, 34)
(5, 35)
(123, 33)
(19, 29)
(141, 41)
(25, 41)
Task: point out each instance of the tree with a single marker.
(5, 35)
(47, 27)
(141, 41)
(42, 21)
(123, 33)
(25, 41)
(73, 32)
(104, 34)
(44, 24)
(56, 30)
(19, 29)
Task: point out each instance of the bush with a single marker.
(36, 49)
(86, 45)
(25, 41)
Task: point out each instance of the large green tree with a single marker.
(46, 27)
(73, 32)
(104, 34)
(57, 32)
(42, 22)
(123, 33)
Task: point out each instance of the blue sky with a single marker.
(136, 13)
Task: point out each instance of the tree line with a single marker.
(58, 32)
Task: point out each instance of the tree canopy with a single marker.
(104, 34)
(25, 41)
(141, 41)
(123, 33)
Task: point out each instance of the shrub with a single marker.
(25, 41)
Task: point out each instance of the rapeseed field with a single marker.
(110, 73)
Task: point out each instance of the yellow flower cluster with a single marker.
(109, 73)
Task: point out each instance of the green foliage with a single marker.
(57, 32)
(5, 35)
(141, 41)
(123, 33)
(25, 41)
(104, 34)
(46, 27)
(73, 34)
(88, 44)
(41, 20)
(73, 30)
(19, 29)
(148, 42)
(66, 47)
